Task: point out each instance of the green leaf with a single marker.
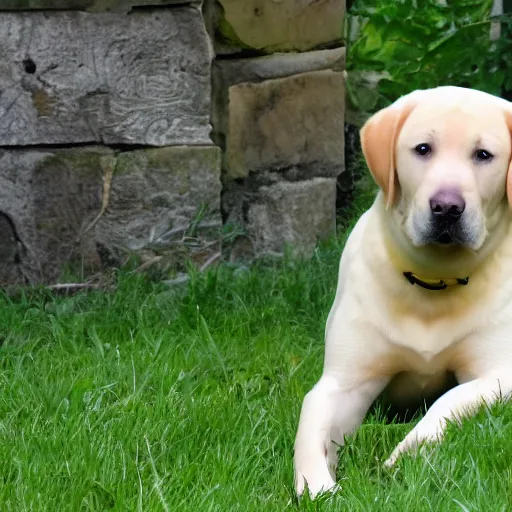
(422, 44)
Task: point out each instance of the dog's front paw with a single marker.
(422, 434)
(315, 480)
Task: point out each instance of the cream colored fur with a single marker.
(380, 324)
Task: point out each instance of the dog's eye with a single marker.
(423, 149)
(482, 154)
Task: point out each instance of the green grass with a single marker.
(188, 399)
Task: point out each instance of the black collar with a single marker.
(435, 284)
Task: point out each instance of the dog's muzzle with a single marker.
(447, 207)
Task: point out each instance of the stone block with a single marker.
(270, 26)
(46, 196)
(159, 191)
(228, 72)
(292, 125)
(50, 200)
(88, 5)
(75, 77)
(295, 214)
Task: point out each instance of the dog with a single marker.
(425, 278)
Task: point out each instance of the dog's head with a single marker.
(442, 158)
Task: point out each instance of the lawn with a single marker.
(187, 399)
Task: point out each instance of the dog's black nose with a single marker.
(447, 204)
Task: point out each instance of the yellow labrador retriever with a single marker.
(425, 280)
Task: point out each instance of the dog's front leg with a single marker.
(461, 401)
(332, 409)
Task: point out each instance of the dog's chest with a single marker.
(427, 338)
(456, 335)
(428, 341)
(425, 348)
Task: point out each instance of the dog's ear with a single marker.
(378, 140)
(508, 119)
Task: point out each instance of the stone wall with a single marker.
(124, 122)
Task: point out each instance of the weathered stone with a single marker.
(89, 5)
(292, 214)
(74, 77)
(294, 125)
(234, 71)
(48, 196)
(51, 204)
(269, 26)
(10, 271)
(157, 193)
(228, 72)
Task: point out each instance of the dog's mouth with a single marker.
(445, 239)
(447, 235)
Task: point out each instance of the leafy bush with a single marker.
(416, 44)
